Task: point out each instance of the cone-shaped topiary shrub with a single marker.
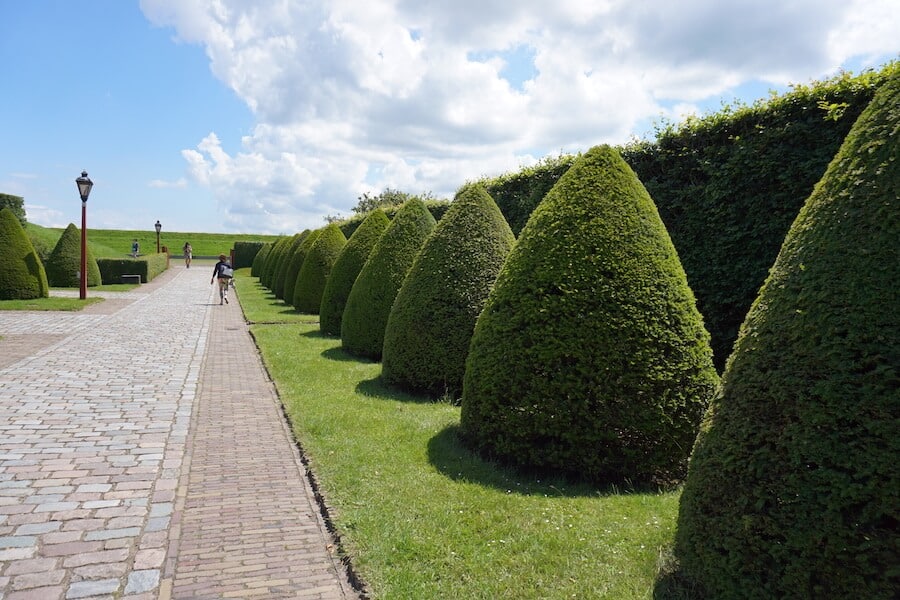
(274, 261)
(285, 264)
(590, 356)
(369, 303)
(346, 268)
(260, 259)
(295, 261)
(431, 322)
(794, 489)
(22, 276)
(64, 264)
(317, 268)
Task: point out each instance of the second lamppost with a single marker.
(158, 229)
(84, 189)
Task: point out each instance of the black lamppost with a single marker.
(158, 229)
(84, 189)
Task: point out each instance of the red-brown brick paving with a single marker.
(248, 524)
(144, 456)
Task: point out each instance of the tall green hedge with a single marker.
(274, 262)
(794, 484)
(590, 356)
(259, 260)
(295, 262)
(22, 276)
(346, 268)
(245, 253)
(284, 264)
(437, 208)
(369, 303)
(431, 321)
(317, 268)
(63, 266)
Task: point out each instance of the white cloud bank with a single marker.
(421, 95)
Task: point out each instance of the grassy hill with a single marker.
(116, 242)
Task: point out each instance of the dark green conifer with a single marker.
(259, 260)
(317, 268)
(285, 264)
(431, 321)
(590, 356)
(64, 263)
(369, 304)
(22, 276)
(794, 486)
(295, 262)
(346, 268)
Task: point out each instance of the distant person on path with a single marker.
(223, 273)
(135, 247)
(188, 254)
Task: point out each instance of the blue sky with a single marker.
(264, 117)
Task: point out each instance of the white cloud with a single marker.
(45, 215)
(352, 97)
(163, 184)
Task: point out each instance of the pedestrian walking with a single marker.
(222, 273)
(188, 254)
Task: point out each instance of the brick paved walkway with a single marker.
(143, 455)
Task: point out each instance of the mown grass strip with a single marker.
(52, 303)
(421, 517)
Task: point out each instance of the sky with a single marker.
(268, 116)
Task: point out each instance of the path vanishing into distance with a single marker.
(144, 455)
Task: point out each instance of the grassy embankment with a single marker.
(421, 517)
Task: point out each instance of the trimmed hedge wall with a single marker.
(794, 485)
(590, 356)
(316, 269)
(346, 268)
(727, 186)
(63, 266)
(22, 276)
(273, 261)
(148, 267)
(284, 264)
(437, 208)
(432, 319)
(245, 252)
(369, 303)
(296, 264)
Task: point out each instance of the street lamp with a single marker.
(84, 190)
(158, 229)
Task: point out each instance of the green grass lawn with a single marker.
(65, 304)
(421, 517)
(114, 243)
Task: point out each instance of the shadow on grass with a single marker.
(339, 354)
(451, 458)
(378, 388)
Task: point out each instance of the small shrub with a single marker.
(346, 268)
(64, 263)
(793, 484)
(431, 321)
(369, 303)
(590, 356)
(22, 276)
(317, 268)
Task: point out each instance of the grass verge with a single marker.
(64, 304)
(421, 517)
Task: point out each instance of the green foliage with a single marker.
(259, 260)
(794, 488)
(16, 204)
(317, 268)
(590, 356)
(22, 276)
(369, 303)
(346, 268)
(437, 208)
(63, 266)
(285, 264)
(245, 252)
(147, 266)
(389, 197)
(296, 263)
(273, 262)
(431, 321)
(728, 186)
(517, 194)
